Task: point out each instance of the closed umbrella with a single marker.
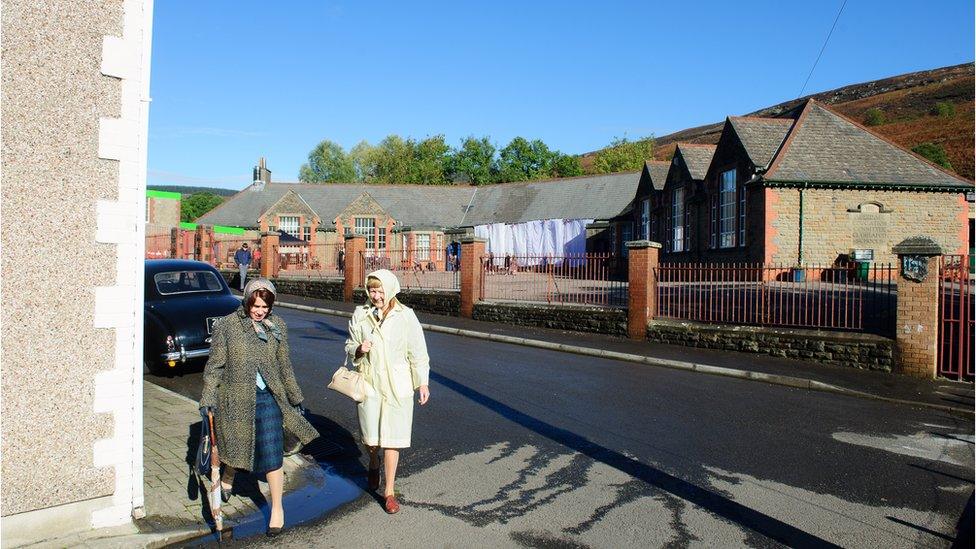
(215, 481)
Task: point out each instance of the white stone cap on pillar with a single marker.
(642, 244)
(471, 239)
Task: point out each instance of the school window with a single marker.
(742, 215)
(307, 233)
(423, 246)
(382, 238)
(678, 219)
(289, 224)
(366, 226)
(645, 219)
(727, 199)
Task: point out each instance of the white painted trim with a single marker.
(120, 222)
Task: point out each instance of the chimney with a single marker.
(261, 174)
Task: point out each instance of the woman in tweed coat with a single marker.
(250, 386)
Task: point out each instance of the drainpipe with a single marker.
(799, 254)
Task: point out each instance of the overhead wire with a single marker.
(807, 81)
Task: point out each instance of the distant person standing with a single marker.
(243, 260)
(341, 261)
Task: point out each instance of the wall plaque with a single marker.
(914, 267)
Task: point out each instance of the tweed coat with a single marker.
(236, 355)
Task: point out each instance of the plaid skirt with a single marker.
(268, 434)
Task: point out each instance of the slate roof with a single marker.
(825, 147)
(697, 157)
(587, 197)
(657, 171)
(411, 205)
(761, 137)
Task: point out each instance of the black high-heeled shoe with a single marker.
(274, 531)
(225, 493)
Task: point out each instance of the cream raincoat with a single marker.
(396, 365)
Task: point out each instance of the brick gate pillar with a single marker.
(642, 286)
(269, 254)
(176, 243)
(354, 246)
(472, 250)
(917, 327)
(204, 244)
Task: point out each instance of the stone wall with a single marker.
(836, 220)
(832, 348)
(319, 289)
(438, 302)
(561, 317)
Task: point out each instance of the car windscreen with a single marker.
(185, 282)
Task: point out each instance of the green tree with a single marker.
(474, 161)
(567, 166)
(934, 153)
(874, 117)
(393, 157)
(327, 163)
(523, 160)
(624, 156)
(431, 161)
(364, 160)
(197, 204)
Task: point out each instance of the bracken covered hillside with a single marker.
(907, 104)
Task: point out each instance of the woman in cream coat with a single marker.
(386, 344)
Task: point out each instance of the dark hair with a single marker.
(264, 294)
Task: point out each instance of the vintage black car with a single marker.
(183, 299)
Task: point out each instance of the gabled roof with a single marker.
(824, 147)
(761, 137)
(408, 204)
(697, 157)
(655, 174)
(586, 197)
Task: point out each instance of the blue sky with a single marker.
(236, 80)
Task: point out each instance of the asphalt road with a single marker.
(521, 447)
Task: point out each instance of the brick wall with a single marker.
(837, 220)
(918, 320)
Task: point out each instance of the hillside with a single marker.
(906, 101)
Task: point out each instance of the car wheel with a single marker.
(150, 367)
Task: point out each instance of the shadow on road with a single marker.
(706, 499)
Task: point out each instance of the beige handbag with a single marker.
(350, 383)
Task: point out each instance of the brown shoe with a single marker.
(390, 505)
(373, 477)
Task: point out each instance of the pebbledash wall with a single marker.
(75, 81)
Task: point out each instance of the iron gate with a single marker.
(956, 310)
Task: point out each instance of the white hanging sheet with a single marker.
(534, 240)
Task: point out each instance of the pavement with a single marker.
(175, 502)
(938, 394)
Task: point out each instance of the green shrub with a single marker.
(874, 117)
(945, 109)
(934, 153)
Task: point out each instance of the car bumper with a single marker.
(183, 355)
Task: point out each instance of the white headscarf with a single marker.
(391, 286)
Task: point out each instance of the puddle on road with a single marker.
(307, 503)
